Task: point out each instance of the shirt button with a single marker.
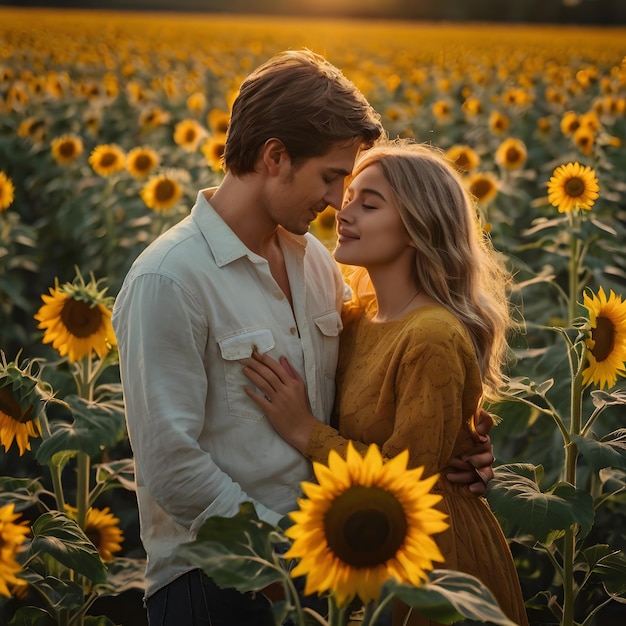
(293, 330)
(279, 295)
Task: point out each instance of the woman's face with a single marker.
(370, 231)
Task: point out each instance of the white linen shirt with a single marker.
(195, 302)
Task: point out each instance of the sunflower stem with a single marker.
(335, 613)
(573, 268)
(54, 468)
(376, 611)
(82, 488)
(571, 456)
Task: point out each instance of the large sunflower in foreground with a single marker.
(366, 522)
(103, 530)
(573, 186)
(606, 344)
(20, 403)
(12, 537)
(76, 318)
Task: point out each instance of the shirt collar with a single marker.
(224, 243)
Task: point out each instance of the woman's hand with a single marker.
(475, 467)
(282, 397)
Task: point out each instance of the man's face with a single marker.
(301, 193)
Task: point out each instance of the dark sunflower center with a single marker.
(11, 407)
(164, 190)
(94, 536)
(67, 149)
(80, 319)
(143, 163)
(574, 187)
(513, 155)
(462, 160)
(481, 188)
(108, 159)
(365, 526)
(604, 337)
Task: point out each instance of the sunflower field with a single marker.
(109, 125)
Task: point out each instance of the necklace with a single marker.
(395, 314)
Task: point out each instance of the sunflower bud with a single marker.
(21, 393)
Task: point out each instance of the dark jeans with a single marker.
(195, 600)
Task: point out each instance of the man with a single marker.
(241, 272)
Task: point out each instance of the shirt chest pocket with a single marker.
(236, 347)
(329, 327)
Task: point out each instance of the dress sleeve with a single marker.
(427, 400)
(326, 438)
(429, 403)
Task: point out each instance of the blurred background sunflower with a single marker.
(66, 148)
(161, 192)
(12, 536)
(76, 318)
(573, 186)
(142, 161)
(7, 191)
(106, 159)
(102, 528)
(606, 344)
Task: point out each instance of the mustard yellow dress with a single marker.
(415, 383)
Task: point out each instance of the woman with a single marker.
(420, 351)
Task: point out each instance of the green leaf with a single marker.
(22, 492)
(31, 616)
(448, 596)
(613, 480)
(236, 551)
(95, 426)
(60, 595)
(123, 574)
(98, 620)
(520, 505)
(604, 398)
(117, 473)
(61, 538)
(610, 451)
(608, 567)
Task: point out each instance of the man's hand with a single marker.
(475, 466)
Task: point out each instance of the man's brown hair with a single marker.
(303, 100)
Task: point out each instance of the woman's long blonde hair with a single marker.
(456, 264)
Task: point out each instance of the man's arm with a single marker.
(475, 467)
